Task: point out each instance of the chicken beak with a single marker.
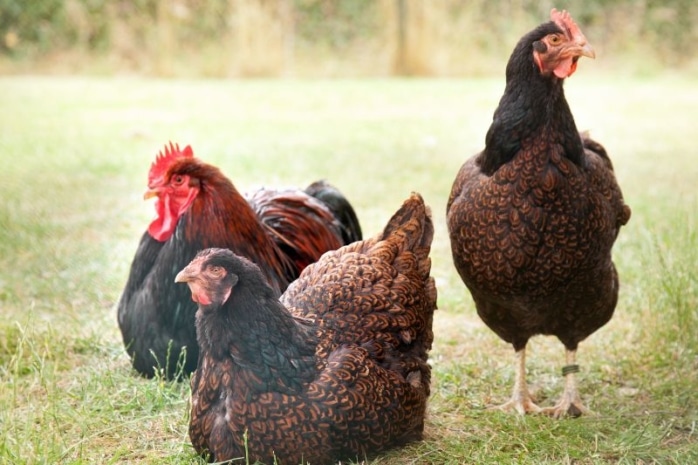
(184, 276)
(150, 193)
(586, 50)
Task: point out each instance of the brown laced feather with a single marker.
(336, 369)
(532, 219)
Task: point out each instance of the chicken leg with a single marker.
(570, 403)
(521, 400)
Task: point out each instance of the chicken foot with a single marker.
(521, 399)
(570, 402)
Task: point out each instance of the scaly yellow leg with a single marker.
(521, 400)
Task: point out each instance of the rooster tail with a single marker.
(340, 208)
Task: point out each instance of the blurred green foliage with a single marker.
(336, 22)
(137, 31)
(35, 22)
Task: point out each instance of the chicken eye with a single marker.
(555, 39)
(216, 270)
(178, 179)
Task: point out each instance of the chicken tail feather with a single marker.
(340, 208)
(412, 220)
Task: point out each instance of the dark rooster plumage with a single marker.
(198, 207)
(336, 368)
(532, 218)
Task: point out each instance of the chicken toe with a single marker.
(521, 402)
(569, 405)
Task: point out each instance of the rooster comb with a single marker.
(164, 159)
(565, 22)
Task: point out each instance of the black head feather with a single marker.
(531, 101)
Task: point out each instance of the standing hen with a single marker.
(533, 217)
(337, 368)
(198, 207)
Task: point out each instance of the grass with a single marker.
(75, 154)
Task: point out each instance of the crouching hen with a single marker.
(532, 218)
(335, 368)
(282, 231)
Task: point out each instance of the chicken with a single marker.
(336, 368)
(198, 207)
(533, 217)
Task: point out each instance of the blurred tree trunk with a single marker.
(165, 39)
(263, 36)
(400, 66)
(415, 36)
(289, 33)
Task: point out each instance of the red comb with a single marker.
(164, 159)
(565, 22)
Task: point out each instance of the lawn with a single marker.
(75, 154)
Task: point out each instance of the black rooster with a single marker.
(337, 368)
(532, 218)
(197, 207)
